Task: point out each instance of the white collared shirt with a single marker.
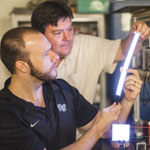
(89, 57)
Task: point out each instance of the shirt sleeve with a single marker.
(84, 111)
(109, 49)
(100, 52)
(16, 136)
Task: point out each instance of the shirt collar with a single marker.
(22, 105)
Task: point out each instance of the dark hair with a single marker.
(48, 13)
(12, 47)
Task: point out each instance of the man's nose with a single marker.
(53, 56)
(65, 35)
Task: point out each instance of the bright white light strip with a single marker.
(120, 132)
(126, 63)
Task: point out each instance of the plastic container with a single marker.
(93, 6)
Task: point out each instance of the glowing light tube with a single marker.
(126, 64)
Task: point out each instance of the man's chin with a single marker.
(46, 79)
(65, 52)
(65, 55)
(53, 77)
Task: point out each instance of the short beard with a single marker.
(35, 73)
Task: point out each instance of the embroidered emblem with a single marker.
(62, 107)
(32, 125)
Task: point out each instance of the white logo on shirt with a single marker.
(62, 107)
(32, 125)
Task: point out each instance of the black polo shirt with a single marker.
(24, 126)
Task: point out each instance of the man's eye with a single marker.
(45, 54)
(56, 33)
(70, 29)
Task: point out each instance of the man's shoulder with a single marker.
(3, 94)
(59, 84)
(83, 42)
(85, 37)
(4, 99)
(62, 83)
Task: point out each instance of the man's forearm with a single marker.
(126, 107)
(100, 125)
(138, 26)
(87, 141)
(124, 48)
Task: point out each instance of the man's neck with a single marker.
(59, 61)
(27, 90)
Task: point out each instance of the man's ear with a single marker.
(22, 66)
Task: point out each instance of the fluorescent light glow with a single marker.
(126, 63)
(120, 132)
